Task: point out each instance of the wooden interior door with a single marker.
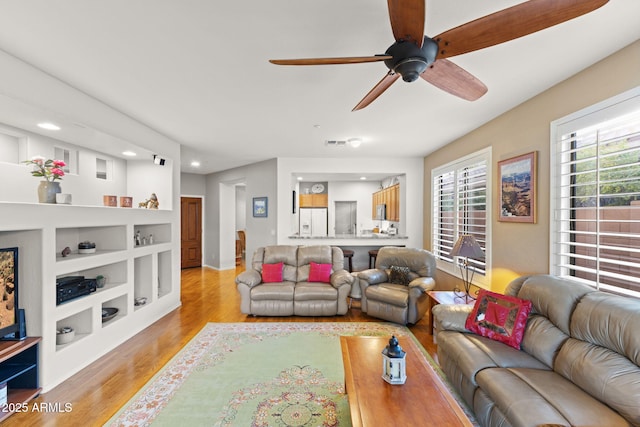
(191, 231)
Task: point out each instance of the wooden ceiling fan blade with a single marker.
(377, 90)
(329, 61)
(453, 79)
(407, 20)
(511, 23)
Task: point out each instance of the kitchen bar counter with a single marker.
(359, 244)
(368, 237)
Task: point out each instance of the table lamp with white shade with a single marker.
(468, 248)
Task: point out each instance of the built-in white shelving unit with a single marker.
(132, 271)
(92, 134)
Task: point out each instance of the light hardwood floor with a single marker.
(98, 391)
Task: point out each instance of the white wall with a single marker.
(411, 190)
(241, 207)
(8, 147)
(220, 206)
(144, 172)
(192, 184)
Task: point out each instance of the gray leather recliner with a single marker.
(399, 303)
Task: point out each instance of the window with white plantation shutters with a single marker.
(460, 194)
(596, 212)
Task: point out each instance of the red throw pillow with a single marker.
(499, 317)
(320, 272)
(272, 272)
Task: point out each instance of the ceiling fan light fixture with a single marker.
(410, 69)
(409, 60)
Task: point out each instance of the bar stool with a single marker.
(373, 254)
(348, 253)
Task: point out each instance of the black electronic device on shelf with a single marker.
(70, 287)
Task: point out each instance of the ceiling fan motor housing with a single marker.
(409, 60)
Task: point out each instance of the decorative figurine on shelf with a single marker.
(137, 239)
(150, 203)
(66, 251)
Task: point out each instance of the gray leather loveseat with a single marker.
(578, 363)
(295, 294)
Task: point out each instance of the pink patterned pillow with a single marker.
(272, 273)
(320, 272)
(499, 317)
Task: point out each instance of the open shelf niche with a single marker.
(143, 279)
(164, 273)
(120, 303)
(81, 323)
(107, 239)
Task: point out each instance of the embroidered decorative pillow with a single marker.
(499, 317)
(399, 275)
(319, 272)
(272, 272)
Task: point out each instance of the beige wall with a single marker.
(519, 248)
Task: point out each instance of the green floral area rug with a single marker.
(253, 374)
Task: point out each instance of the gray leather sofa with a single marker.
(400, 303)
(578, 363)
(295, 295)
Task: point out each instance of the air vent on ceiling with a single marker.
(331, 143)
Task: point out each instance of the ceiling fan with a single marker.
(415, 55)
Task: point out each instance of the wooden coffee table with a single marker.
(423, 400)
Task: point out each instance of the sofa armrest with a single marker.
(249, 277)
(341, 278)
(373, 276)
(426, 284)
(451, 317)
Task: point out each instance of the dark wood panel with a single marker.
(191, 232)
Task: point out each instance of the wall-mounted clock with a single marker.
(317, 188)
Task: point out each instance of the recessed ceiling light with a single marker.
(363, 178)
(129, 153)
(48, 126)
(299, 178)
(355, 142)
(195, 164)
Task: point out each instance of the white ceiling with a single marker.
(198, 71)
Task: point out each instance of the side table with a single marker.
(444, 297)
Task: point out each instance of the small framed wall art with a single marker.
(517, 188)
(260, 207)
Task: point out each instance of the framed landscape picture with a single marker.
(517, 188)
(260, 207)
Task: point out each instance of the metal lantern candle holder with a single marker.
(468, 248)
(394, 363)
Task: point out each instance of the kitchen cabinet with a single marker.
(314, 200)
(390, 197)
